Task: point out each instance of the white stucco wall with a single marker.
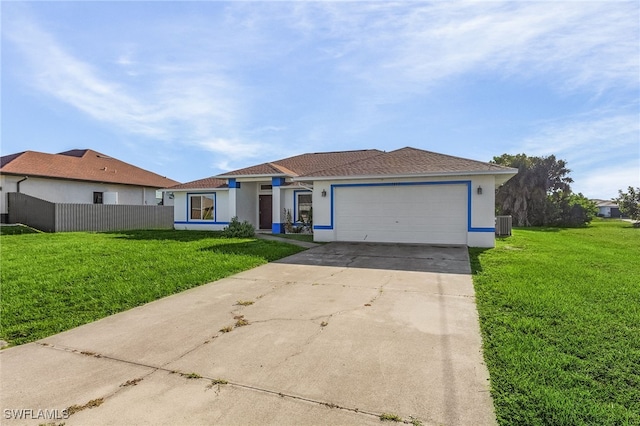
(247, 202)
(180, 207)
(7, 184)
(74, 192)
(480, 234)
(604, 211)
(181, 211)
(484, 205)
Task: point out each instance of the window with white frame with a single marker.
(202, 207)
(304, 207)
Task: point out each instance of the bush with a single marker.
(574, 210)
(288, 221)
(237, 229)
(565, 210)
(629, 203)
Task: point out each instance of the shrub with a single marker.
(629, 203)
(288, 221)
(574, 210)
(237, 229)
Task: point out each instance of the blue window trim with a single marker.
(444, 182)
(295, 203)
(233, 183)
(204, 222)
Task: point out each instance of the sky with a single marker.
(190, 90)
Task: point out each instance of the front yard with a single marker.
(560, 318)
(559, 308)
(54, 282)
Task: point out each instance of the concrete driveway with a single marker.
(338, 334)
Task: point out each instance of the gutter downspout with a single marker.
(19, 182)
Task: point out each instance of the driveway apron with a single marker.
(339, 334)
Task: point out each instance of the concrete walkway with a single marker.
(338, 334)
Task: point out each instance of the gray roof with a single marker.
(371, 162)
(304, 164)
(410, 161)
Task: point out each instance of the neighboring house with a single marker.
(408, 196)
(607, 208)
(79, 176)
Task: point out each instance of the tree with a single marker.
(513, 197)
(536, 195)
(629, 203)
(575, 210)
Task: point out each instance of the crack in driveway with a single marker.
(415, 352)
(213, 380)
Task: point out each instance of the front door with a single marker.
(266, 212)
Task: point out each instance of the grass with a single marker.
(241, 322)
(390, 417)
(54, 282)
(300, 237)
(191, 375)
(91, 404)
(560, 317)
(16, 230)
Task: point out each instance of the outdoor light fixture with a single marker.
(479, 190)
(324, 193)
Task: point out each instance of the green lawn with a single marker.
(54, 282)
(300, 237)
(16, 229)
(560, 318)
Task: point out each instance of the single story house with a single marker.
(407, 195)
(607, 208)
(79, 176)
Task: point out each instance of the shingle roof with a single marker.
(605, 203)
(371, 162)
(80, 164)
(305, 163)
(207, 183)
(408, 161)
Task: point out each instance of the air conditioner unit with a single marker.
(503, 226)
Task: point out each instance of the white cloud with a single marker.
(336, 66)
(231, 148)
(384, 53)
(189, 104)
(602, 148)
(604, 182)
(394, 46)
(586, 135)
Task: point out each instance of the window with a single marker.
(304, 208)
(97, 198)
(266, 187)
(202, 207)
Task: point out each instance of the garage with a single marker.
(428, 212)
